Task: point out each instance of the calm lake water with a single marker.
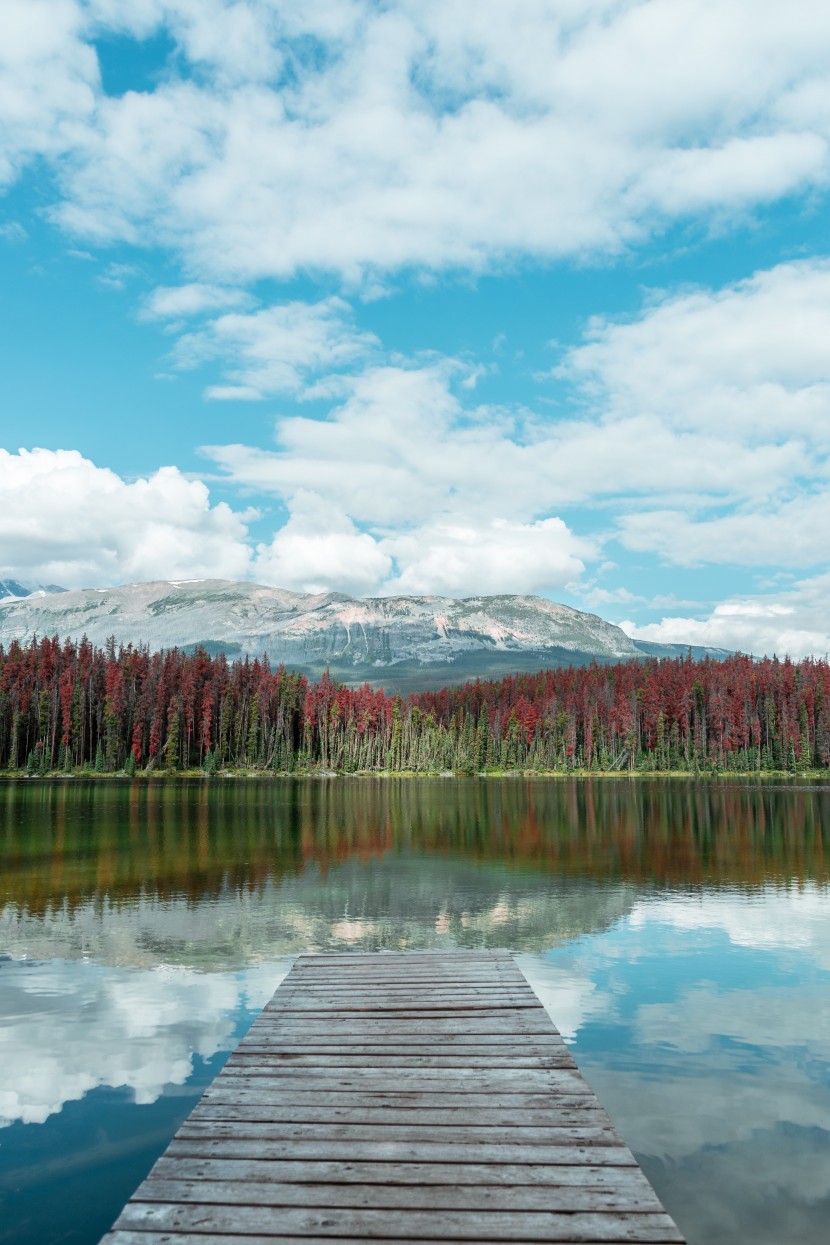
(678, 933)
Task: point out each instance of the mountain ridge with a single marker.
(392, 641)
(12, 588)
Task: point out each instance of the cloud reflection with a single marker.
(773, 917)
(703, 1023)
(72, 1026)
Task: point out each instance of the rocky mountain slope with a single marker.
(11, 588)
(393, 641)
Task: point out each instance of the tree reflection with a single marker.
(77, 841)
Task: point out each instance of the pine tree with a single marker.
(172, 745)
(482, 739)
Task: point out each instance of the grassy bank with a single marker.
(168, 775)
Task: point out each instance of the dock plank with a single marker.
(614, 1153)
(409, 1097)
(442, 1225)
(463, 1172)
(348, 1195)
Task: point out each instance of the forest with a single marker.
(74, 707)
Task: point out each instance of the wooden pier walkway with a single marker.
(399, 1098)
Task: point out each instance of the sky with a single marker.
(427, 297)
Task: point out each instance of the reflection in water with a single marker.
(74, 840)
(704, 1026)
(71, 1027)
(679, 934)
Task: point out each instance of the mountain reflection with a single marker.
(74, 841)
(216, 876)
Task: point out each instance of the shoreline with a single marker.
(171, 776)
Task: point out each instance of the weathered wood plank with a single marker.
(609, 1154)
(129, 1237)
(293, 1025)
(456, 1135)
(466, 1043)
(434, 1080)
(339, 982)
(259, 1056)
(471, 1100)
(581, 1112)
(291, 1171)
(397, 1197)
(437, 956)
(322, 1006)
(431, 1030)
(417, 1097)
(499, 1018)
(413, 986)
(440, 1224)
(530, 1048)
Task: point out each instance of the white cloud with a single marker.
(320, 548)
(423, 133)
(596, 597)
(394, 453)
(116, 276)
(748, 360)
(272, 350)
(64, 520)
(13, 231)
(793, 534)
(233, 393)
(742, 172)
(454, 491)
(738, 380)
(408, 474)
(454, 558)
(791, 622)
(172, 302)
(364, 140)
(49, 82)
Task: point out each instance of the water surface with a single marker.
(679, 934)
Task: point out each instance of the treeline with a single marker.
(69, 706)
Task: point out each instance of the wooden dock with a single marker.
(397, 1098)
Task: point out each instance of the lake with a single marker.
(677, 932)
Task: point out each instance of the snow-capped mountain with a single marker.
(11, 588)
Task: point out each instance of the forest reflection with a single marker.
(75, 841)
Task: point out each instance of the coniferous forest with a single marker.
(71, 706)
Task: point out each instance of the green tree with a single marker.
(172, 745)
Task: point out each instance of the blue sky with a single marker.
(424, 297)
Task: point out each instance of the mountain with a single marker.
(397, 642)
(11, 588)
(649, 648)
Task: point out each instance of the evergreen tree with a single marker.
(171, 749)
